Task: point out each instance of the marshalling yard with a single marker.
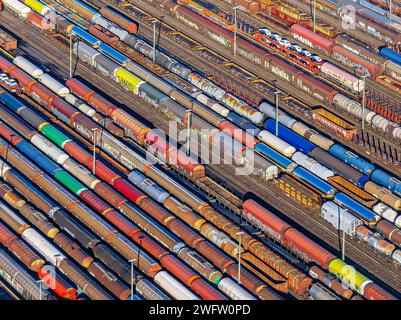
(98, 200)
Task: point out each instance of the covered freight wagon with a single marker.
(119, 18)
(356, 62)
(311, 39)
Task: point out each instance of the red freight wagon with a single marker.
(311, 39)
(266, 220)
(307, 249)
(352, 60)
(315, 88)
(360, 50)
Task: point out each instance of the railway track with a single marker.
(372, 144)
(6, 293)
(258, 22)
(332, 21)
(37, 44)
(377, 92)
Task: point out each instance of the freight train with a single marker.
(212, 274)
(385, 297)
(291, 52)
(85, 238)
(342, 103)
(187, 232)
(382, 66)
(310, 85)
(323, 187)
(316, 182)
(295, 241)
(282, 13)
(388, 65)
(364, 20)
